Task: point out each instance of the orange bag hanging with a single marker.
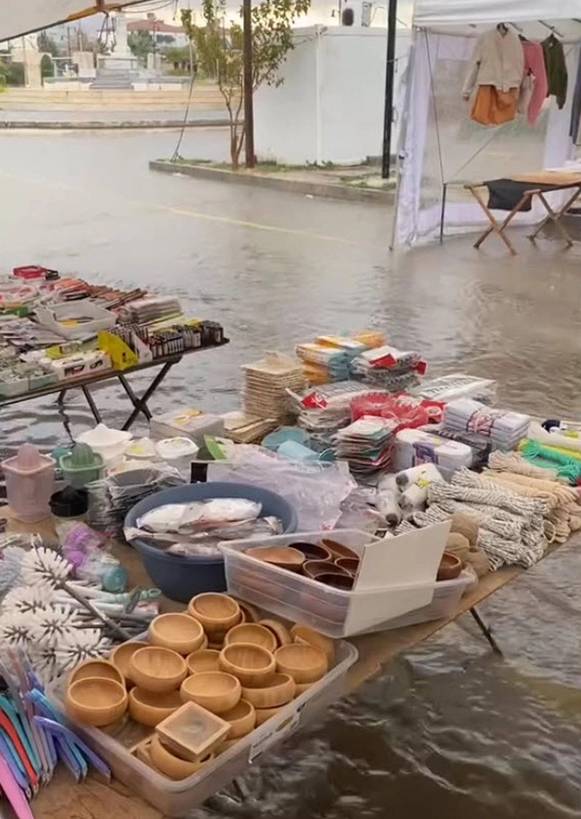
(493, 107)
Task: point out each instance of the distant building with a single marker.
(163, 34)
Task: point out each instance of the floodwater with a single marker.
(450, 730)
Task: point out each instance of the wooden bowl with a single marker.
(92, 669)
(215, 691)
(121, 657)
(338, 550)
(96, 701)
(171, 765)
(253, 665)
(262, 714)
(242, 719)
(230, 743)
(304, 634)
(312, 551)
(204, 660)
(281, 556)
(344, 582)
(150, 709)
(157, 669)
(302, 688)
(143, 752)
(250, 614)
(280, 690)
(251, 633)
(304, 663)
(450, 567)
(281, 632)
(314, 568)
(180, 632)
(216, 612)
(350, 564)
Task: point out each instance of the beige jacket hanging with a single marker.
(498, 60)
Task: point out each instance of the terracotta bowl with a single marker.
(350, 564)
(180, 632)
(96, 701)
(304, 634)
(242, 719)
(344, 582)
(157, 669)
(204, 660)
(280, 632)
(216, 612)
(262, 714)
(314, 568)
(251, 633)
(450, 567)
(312, 551)
(338, 550)
(281, 556)
(304, 663)
(253, 665)
(150, 709)
(171, 765)
(280, 690)
(215, 691)
(121, 657)
(91, 669)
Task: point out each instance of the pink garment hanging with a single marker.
(535, 65)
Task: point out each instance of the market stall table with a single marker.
(94, 799)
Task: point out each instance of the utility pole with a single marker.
(248, 101)
(389, 87)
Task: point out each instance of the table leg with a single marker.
(486, 631)
(140, 404)
(495, 225)
(555, 217)
(91, 403)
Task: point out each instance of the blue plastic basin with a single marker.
(180, 578)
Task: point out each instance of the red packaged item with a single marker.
(411, 412)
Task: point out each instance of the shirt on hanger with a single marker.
(498, 60)
(535, 65)
(556, 68)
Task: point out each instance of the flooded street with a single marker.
(450, 731)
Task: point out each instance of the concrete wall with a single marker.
(330, 106)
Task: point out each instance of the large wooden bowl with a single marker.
(216, 612)
(121, 657)
(280, 690)
(96, 701)
(92, 669)
(304, 663)
(251, 633)
(312, 551)
(215, 691)
(304, 634)
(253, 665)
(204, 660)
(171, 765)
(262, 714)
(338, 550)
(149, 708)
(242, 719)
(284, 557)
(157, 669)
(280, 631)
(180, 632)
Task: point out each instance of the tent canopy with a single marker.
(457, 12)
(25, 16)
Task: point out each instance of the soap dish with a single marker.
(192, 732)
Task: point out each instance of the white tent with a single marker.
(441, 149)
(18, 17)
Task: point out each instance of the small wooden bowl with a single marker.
(121, 657)
(302, 688)
(338, 550)
(304, 634)
(343, 582)
(204, 660)
(350, 564)
(250, 614)
(216, 612)
(242, 719)
(251, 633)
(281, 556)
(262, 714)
(171, 765)
(304, 663)
(157, 669)
(92, 669)
(450, 567)
(215, 691)
(314, 568)
(312, 551)
(281, 632)
(96, 701)
(180, 632)
(150, 709)
(253, 665)
(280, 690)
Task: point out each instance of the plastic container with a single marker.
(109, 443)
(178, 452)
(69, 503)
(180, 578)
(332, 611)
(75, 319)
(187, 423)
(178, 798)
(81, 465)
(29, 483)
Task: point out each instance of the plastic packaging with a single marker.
(187, 423)
(29, 483)
(414, 447)
(109, 443)
(178, 452)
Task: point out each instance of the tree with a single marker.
(219, 52)
(47, 45)
(141, 44)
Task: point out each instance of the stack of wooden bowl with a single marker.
(218, 665)
(327, 562)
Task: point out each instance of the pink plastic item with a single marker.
(29, 483)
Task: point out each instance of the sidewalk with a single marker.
(80, 120)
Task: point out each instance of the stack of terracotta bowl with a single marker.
(327, 562)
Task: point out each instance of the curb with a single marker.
(326, 190)
(107, 126)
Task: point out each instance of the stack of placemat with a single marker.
(266, 384)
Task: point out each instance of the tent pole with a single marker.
(389, 83)
(248, 76)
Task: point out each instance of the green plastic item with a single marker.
(81, 466)
(214, 448)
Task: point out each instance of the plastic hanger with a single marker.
(13, 793)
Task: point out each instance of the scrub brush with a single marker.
(28, 599)
(80, 645)
(50, 626)
(11, 558)
(15, 630)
